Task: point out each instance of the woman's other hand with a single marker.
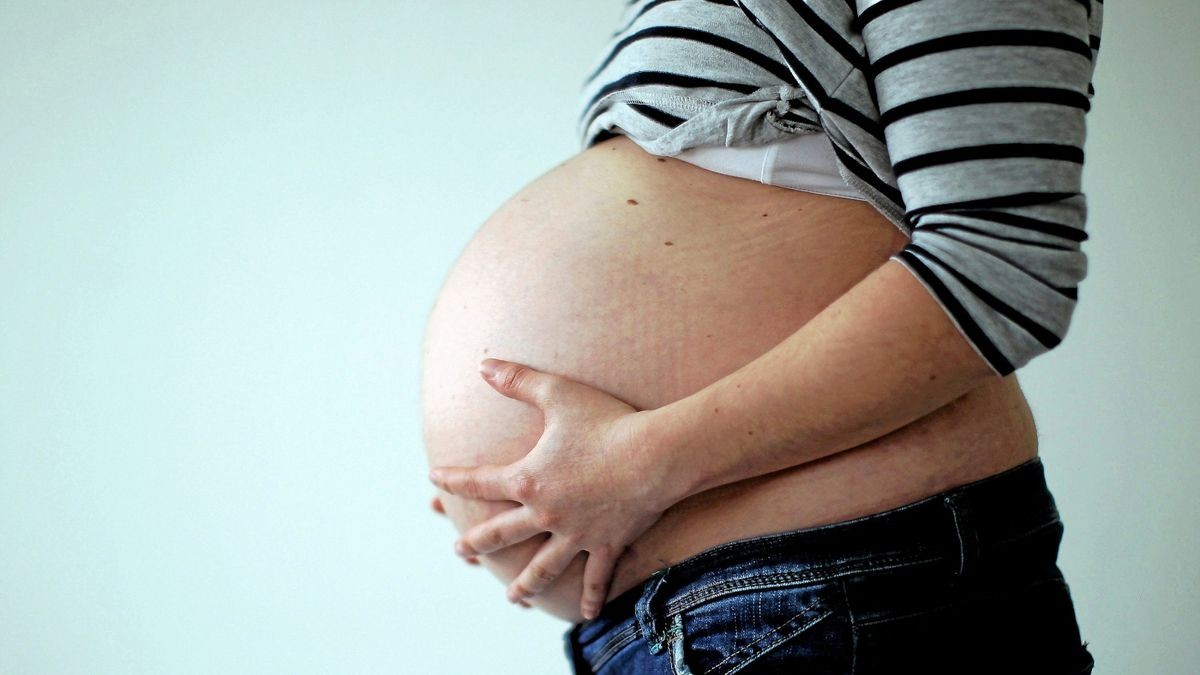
(590, 482)
(436, 505)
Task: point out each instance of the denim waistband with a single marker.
(955, 528)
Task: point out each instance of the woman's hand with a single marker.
(438, 507)
(590, 482)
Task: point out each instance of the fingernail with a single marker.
(589, 611)
(435, 476)
(488, 367)
(462, 549)
(514, 596)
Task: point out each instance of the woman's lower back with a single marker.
(650, 278)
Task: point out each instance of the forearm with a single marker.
(879, 357)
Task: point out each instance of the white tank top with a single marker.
(805, 162)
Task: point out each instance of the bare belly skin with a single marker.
(650, 278)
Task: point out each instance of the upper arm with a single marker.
(983, 107)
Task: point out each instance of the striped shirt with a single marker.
(961, 121)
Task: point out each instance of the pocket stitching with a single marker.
(853, 627)
(612, 648)
(774, 630)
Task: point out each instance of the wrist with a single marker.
(663, 458)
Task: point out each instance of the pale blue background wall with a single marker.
(222, 226)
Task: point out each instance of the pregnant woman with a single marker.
(748, 398)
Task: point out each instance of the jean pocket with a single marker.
(767, 630)
(1009, 627)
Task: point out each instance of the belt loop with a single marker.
(679, 665)
(646, 610)
(964, 532)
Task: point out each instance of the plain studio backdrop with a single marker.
(222, 227)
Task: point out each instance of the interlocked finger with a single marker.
(437, 505)
(503, 529)
(597, 574)
(555, 554)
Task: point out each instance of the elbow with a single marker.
(1046, 340)
(1013, 301)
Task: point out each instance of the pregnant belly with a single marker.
(650, 278)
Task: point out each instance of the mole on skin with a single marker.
(631, 201)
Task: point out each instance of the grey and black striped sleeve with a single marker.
(983, 107)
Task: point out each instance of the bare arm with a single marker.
(880, 356)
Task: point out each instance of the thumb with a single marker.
(518, 381)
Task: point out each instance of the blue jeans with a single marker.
(962, 582)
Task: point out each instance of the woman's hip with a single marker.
(965, 580)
